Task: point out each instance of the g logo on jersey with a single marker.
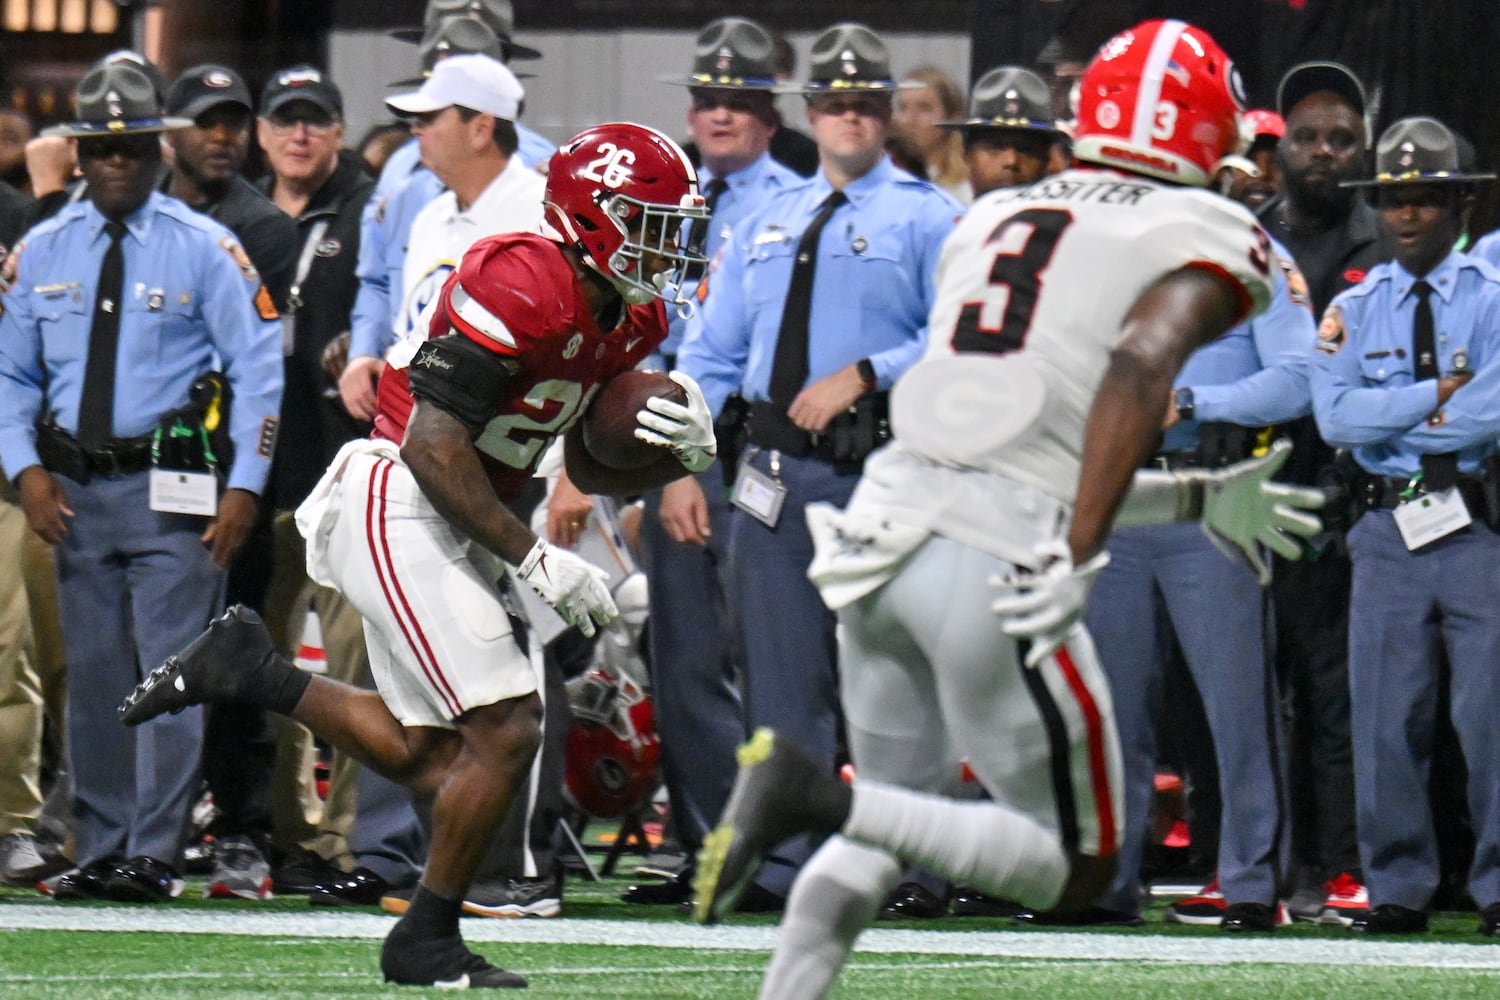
(612, 167)
(421, 296)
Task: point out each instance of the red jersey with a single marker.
(535, 315)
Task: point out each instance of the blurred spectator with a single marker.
(1252, 177)
(919, 111)
(905, 153)
(15, 133)
(377, 145)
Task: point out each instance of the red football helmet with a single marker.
(620, 191)
(612, 746)
(1161, 99)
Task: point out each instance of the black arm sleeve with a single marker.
(461, 378)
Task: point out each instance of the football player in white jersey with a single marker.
(962, 563)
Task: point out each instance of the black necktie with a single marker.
(789, 368)
(711, 194)
(96, 406)
(1439, 471)
(698, 233)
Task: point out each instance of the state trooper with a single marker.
(1407, 378)
(1166, 584)
(119, 306)
(818, 303)
(1009, 136)
(731, 120)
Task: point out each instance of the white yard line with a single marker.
(1208, 949)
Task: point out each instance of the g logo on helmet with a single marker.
(612, 167)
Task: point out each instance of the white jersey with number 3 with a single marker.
(1033, 288)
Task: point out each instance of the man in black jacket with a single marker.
(1333, 235)
(239, 749)
(206, 164)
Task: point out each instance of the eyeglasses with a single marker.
(318, 127)
(866, 105)
(710, 99)
(132, 147)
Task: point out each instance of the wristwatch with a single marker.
(1182, 402)
(866, 369)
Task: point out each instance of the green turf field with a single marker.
(602, 948)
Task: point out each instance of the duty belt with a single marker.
(120, 456)
(1389, 492)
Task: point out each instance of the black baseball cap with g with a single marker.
(1312, 77)
(302, 83)
(202, 88)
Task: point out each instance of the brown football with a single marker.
(609, 423)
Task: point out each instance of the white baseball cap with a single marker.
(472, 81)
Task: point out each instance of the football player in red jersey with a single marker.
(961, 565)
(413, 525)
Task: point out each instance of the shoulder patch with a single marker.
(264, 306)
(8, 264)
(267, 443)
(1331, 331)
(1296, 285)
(241, 259)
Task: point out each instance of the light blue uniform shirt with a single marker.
(1488, 248)
(748, 189)
(1256, 374)
(189, 308)
(404, 189)
(384, 227)
(1365, 392)
(871, 293)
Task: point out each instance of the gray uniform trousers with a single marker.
(791, 657)
(1403, 605)
(699, 716)
(1217, 610)
(133, 586)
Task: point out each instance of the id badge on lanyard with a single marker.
(757, 494)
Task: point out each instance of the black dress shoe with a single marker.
(913, 901)
(1489, 920)
(1248, 918)
(87, 882)
(968, 901)
(143, 879)
(1089, 916)
(674, 891)
(360, 887)
(1391, 918)
(303, 874)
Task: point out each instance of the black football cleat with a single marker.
(779, 792)
(229, 662)
(441, 962)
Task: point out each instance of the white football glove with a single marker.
(1243, 509)
(1046, 605)
(577, 589)
(687, 430)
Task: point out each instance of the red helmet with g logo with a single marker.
(1161, 99)
(612, 750)
(620, 191)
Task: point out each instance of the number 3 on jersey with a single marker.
(1023, 246)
